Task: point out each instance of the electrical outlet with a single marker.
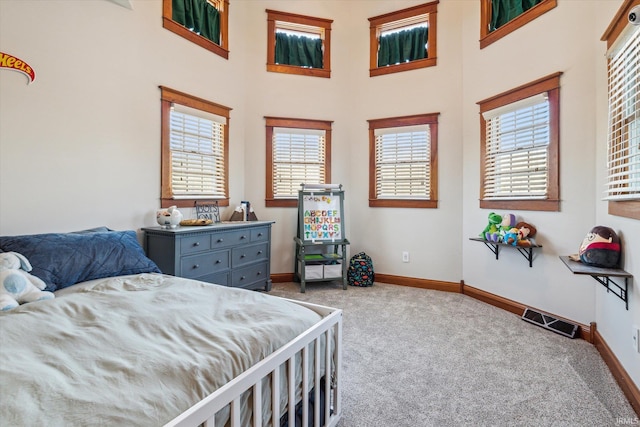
(405, 256)
(636, 338)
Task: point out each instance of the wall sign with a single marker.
(10, 62)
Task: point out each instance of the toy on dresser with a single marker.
(17, 286)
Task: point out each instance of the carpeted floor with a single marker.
(415, 357)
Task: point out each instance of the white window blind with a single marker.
(403, 166)
(298, 157)
(197, 153)
(623, 162)
(516, 155)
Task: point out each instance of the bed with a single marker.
(123, 344)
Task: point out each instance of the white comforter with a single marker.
(133, 350)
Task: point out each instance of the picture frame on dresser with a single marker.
(234, 254)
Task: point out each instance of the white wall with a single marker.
(80, 146)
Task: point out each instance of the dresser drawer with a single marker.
(216, 278)
(189, 245)
(243, 277)
(260, 235)
(230, 238)
(246, 254)
(200, 265)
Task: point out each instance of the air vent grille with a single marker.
(546, 321)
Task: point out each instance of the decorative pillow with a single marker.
(64, 259)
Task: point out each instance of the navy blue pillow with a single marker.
(64, 259)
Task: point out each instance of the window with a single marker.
(203, 22)
(403, 167)
(519, 147)
(298, 44)
(623, 148)
(403, 40)
(298, 151)
(195, 148)
(501, 17)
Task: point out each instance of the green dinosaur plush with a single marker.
(492, 231)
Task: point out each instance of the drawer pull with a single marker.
(218, 261)
(259, 252)
(196, 244)
(259, 234)
(243, 237)
(196, 266)
(259, 273)
(242, 256)
(242, 278)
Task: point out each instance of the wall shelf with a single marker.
(526, 251)
(603, 276)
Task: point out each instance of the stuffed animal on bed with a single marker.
(17, 286)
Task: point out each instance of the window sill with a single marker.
(524, 205)
(403, 203)
(293, 69)
(190, 203)
(629, 209)
(203, 42)
(407, 66)
(281, 203)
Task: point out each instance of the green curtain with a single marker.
(403, 46)
(199, 16)
(503, 11)
(298, 50)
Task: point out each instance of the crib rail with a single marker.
(229, 395)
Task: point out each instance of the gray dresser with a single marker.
(232, 253)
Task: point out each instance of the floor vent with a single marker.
(549, 322)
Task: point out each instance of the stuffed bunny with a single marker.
(17, 286)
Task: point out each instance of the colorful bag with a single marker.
(360, 272)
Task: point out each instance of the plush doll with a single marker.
(17, 286)
(491, 231)
(525, 233)
(511, 237)
(508, 222)
(601, 248)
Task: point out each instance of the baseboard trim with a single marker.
(282, 277)
(629, 389)
(419, 283)
(517, 308)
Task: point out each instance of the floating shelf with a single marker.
(603, 276)
(526, 251)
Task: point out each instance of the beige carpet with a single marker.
(415, 357)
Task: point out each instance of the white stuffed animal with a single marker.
(17, 286)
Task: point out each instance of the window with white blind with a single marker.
(520, 146)
(403, 165)
(298, 151)
(623, 161)
(194, 150)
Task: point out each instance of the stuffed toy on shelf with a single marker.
(492, 232)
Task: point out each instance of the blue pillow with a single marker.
(64, 259)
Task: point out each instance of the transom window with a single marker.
(501, 17)
(520, 147)
(403, 40)
(298, 151)
(203, 22)
(403, 166)
(194, 150)
(298, 44)
(623, 149)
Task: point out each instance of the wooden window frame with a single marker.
(551, 85)
(430, 119)
(168, 97)
(273, 122)
(219, 49)
(323, 27)
(378, 22)
(488, 37)
(630, 208)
